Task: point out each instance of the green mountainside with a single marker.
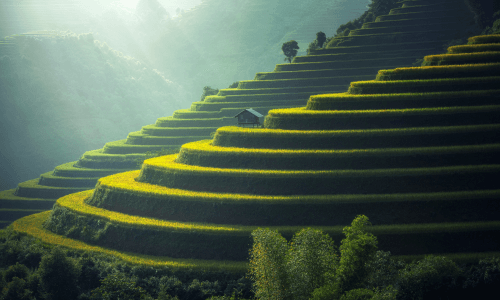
(61, 92)
(415, 149)
(289, 85)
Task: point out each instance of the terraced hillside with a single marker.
(289, 85)
(416, 150)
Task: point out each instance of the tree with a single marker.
(267, 265)
(311, 260)
(357, 250)
(58, 275)
(290, 50)
(208, 91)
(321, 38)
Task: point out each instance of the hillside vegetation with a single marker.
(62, 92)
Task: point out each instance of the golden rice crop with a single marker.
(375, 97)
(428, 70)
(282, 113)
(264, 132)
(463, 56)
(474, 48)
(76, 202)
(424, 82)
(484, 39)
(33, 226)
(205, 147)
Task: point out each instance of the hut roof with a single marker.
(253, 112)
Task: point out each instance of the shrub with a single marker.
(58, 275)
(432, 276)
(358, 294)
(18, 270)
(208, 91)
(117, 286)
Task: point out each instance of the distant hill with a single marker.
(61, 94)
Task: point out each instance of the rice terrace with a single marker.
(371, 170)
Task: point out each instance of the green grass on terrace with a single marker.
(424, 85)
(33, 226)
(473, 48)
(433, 72)
(463, 58)
(485, 39)
(384, 101)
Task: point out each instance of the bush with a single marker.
(358, 294)
(118, 287)
(58, 276)
(208, 91)
(18, 270)
(432, 277)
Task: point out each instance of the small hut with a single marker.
(248, 117)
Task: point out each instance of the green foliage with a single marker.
(375, 8)
(429, 277)
(320, 38)
(18, 270)
(234, 85)
(358, 294)
(58, 275)
(267, 265)
(16, 290)
(357, 249)
(208, 91)
(308, 265)
(118, 287)
(151, 154)
(290, 50)
(311, 259)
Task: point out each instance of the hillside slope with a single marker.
(289, 85)
(416, 150)
(59, 92)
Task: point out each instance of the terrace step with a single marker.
(49, 179)
(203, 154)
(323, 210)
(422, 14)
(422, 8)
(69, 170)
(153, 130)
(9, 215)
(231, 242)
(409, 22)
(436, 45)
(300, 119)
(286, 90)
(171, 122)
(121, 147)
(340, 57)
(424, 85)
(338, 72)
(357, 139)
(31, 189)
(262, 106)
(164, 171)
(409, 28)
(345, 101)
(138, 138)
(347, 65)
(303, 82)
(99, 159)
(8, 200)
